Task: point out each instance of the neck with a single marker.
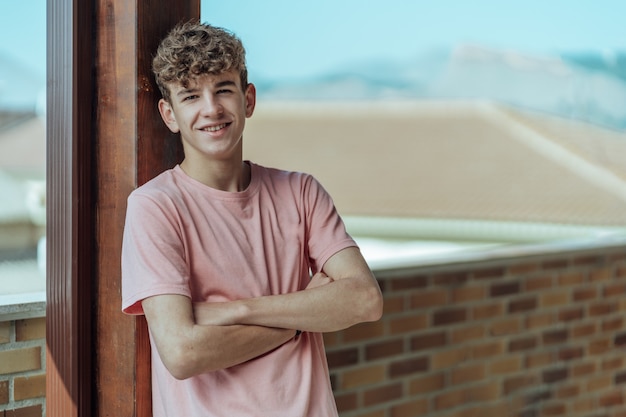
(221, 175)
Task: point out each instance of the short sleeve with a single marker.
(326, 232)
(153, 252)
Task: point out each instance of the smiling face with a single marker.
(210, 114)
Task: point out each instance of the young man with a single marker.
(218, 254)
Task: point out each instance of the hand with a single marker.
(318, 280)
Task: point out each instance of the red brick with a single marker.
(596, 383)
(29, 387)
(20, 360)
(523, 305)
(427, 384)
(488, 349)
(539, 359)
(554, 375)
(518, 382)
(344, 357)
(383, 394)
(450, 278)
(427, 299)
(571, 352)
(588, 260)
(611, 399)
(554, 299)
(613, 364)
(467, 294)
(331, 339)
(5, 332)
(568, 391)
(30, 329)
(571, 314)
(556, 409)
(506, 326)
(572, 278)
(467, 373)
(620, 378)
(467, 333)
(585, 294)
(503, 289)
(363, 376)
(523, 343)
(449, 358)
(32, 411)
(602, 308)
(394, 304)
(538, 283)
(539, 319)
(4, 392)
(551, 337)
(599, 346)
(364, 331)
(408, 366)
(601, 274)
(484, 393)
(449, 316)
(583, 369)
(409, 283)
(583, 330)
(384, 349)
(487, 311)
(408, 324)
(450, 399)
(411, 409)
(489, 273)
(346, 402)
(523, 268)
(428, 341)
(507, 365)
(613, 324)
(555, 264)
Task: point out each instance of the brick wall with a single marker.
(532, 337)
(22, 368)
(528, 337)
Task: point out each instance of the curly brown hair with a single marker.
(192, 49)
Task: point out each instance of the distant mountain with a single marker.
(20, 88)
(589, 87)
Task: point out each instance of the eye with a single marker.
(190, 97)
(224, 91)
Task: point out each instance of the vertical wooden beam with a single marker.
(104, 139)
(70, 201)
(133, 147)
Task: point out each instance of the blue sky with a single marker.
(292, 39)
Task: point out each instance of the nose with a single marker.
(211, 106)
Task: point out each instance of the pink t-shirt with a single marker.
(182, 237)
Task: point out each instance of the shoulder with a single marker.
(282, 176)
(160, 187)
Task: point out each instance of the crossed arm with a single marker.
(193, 339)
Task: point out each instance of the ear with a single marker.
(250, 99)
(168, 116)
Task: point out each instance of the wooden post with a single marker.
(105, 138)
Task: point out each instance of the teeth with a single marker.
(215, 128)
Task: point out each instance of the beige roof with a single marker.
(455, 160)
(23, 147)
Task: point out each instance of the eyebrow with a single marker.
(219, 84)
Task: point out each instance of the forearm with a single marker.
(188, 348)
(328, 308)
(220, 347)
(335, 306)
